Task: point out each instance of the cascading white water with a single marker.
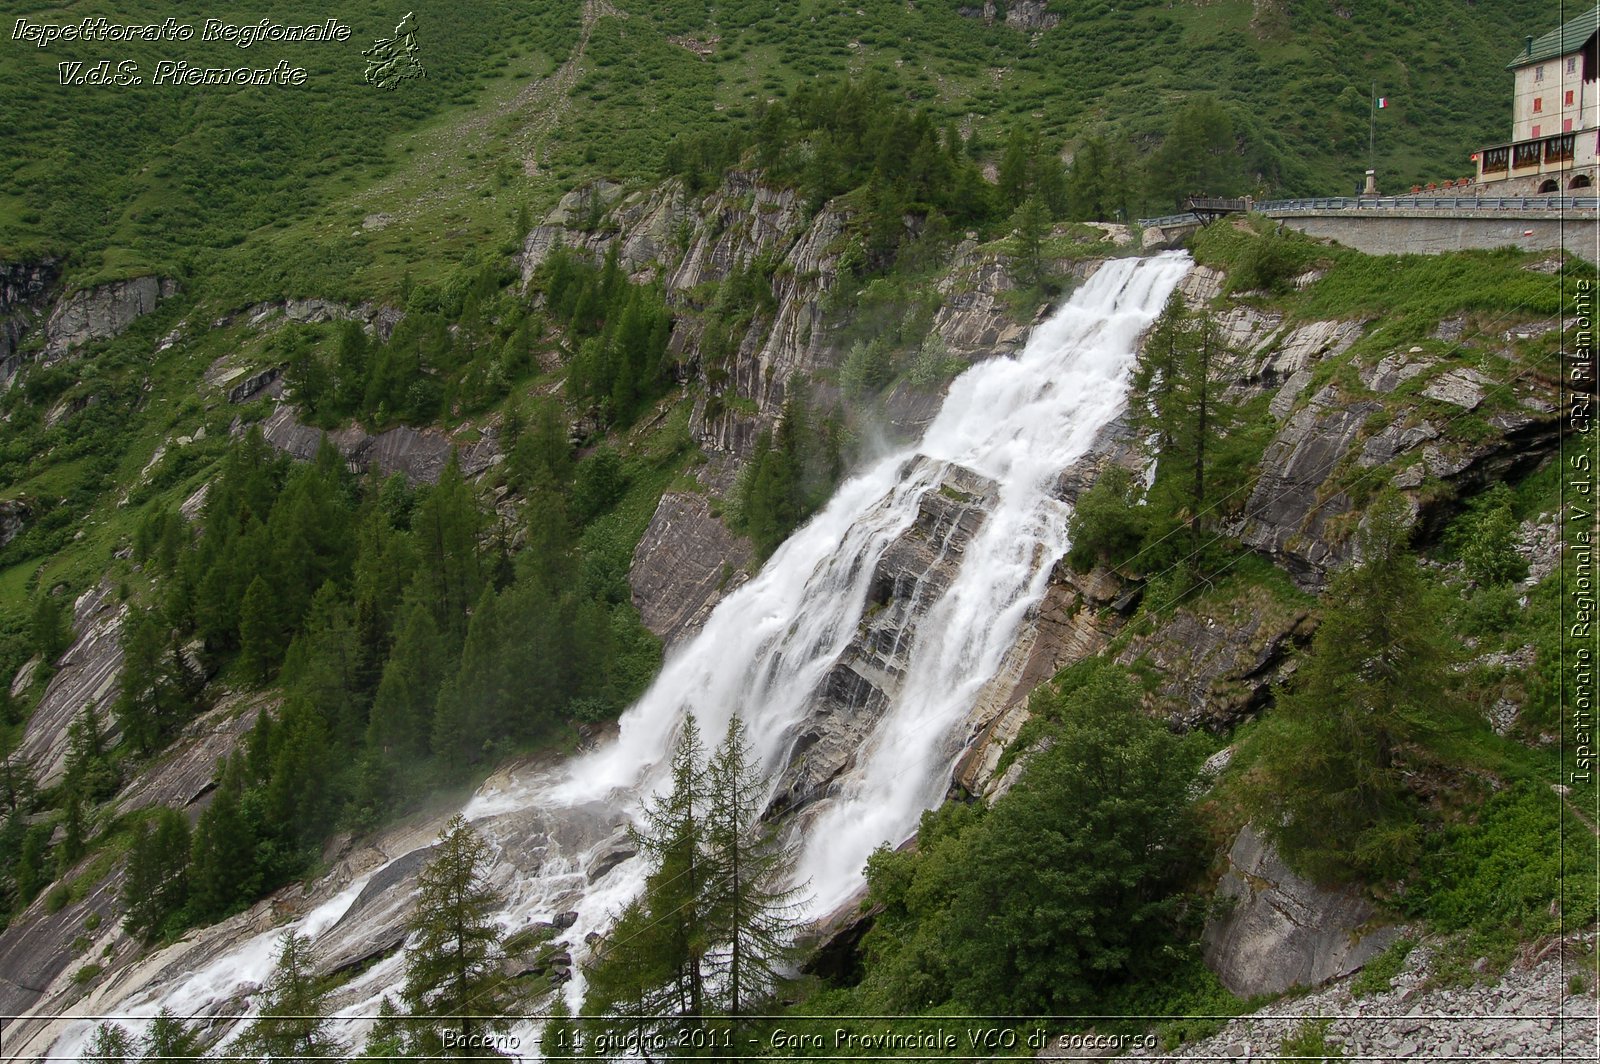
(764, 650)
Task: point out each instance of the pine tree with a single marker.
(222, 863)
(753, 917)
(1025, 255)
(386, 1040)
(88, 769)
(74, 830)
(170, 1039)
(1377, 680)
(50, 630)
(156, 886)
(450, 572)
(673, 837)
(560, 1039)
(402, 711)
(111, 1044)
(292, 1022)
(453, 967)
(139, 696)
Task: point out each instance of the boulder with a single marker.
(1279, 930)
(1461, 387)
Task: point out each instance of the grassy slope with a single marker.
(265, 190)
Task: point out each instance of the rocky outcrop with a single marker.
(14, 514)
(25, 289)
(685, 563)
(87, 672)
(1530, 1013)
(419, 455)
(1278, 930)
(1291, 506)
(375, 318)
(40, 949)
(689, 244)
(1219, 662)
(186, 771)
(1030, 15)
(102, 312)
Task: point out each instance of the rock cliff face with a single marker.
(685, 561)
(420, 455)
(688, 243)
(86, 673)
(101, 312)
(1529, 1013)
(1020, 14)
(1279, 930)
(25, 290)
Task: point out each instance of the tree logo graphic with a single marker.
(392, 60)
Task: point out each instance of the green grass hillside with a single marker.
(335, 186)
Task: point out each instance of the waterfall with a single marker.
(1017, 422)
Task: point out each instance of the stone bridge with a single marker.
(1423, 225)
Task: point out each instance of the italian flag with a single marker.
(1383, 101)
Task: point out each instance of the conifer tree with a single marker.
(402, 711)
(753, 916)
(139, 697)
(386, 1040)
(1377, 679)
(111, 1044)
(560, 1039)
(677, 892)
(1025, 256)
(74, 831)
(292, 1022)
(50, 630)
(453, 967)
(156, 885)
(222, 862)
(88, 769)
(170, 1039)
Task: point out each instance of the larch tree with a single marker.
(293, 1023)
(754, 916)
(1335, 750)
(453, 966)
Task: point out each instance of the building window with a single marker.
(1536, 130)
(1572, 64)
(1569, 97)
(1538, 104)
(1538, 73)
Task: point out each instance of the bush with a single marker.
(1379, 973)
(1107, 523)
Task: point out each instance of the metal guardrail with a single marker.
(1393, 203)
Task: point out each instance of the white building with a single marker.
(1555, 114)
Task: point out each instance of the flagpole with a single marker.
(1372, 130)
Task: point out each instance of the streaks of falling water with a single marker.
(764, 650)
